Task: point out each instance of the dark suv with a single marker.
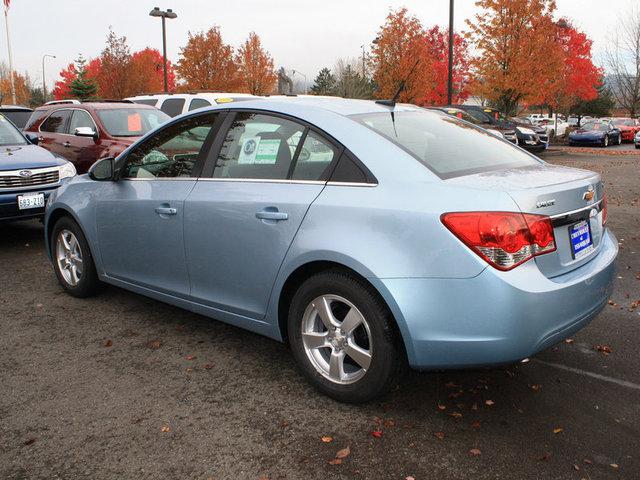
(530, 137)
(83, 132)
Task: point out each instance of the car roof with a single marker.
(339, 105)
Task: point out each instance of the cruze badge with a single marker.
(25, 173)
(588, 195)
(546, 203)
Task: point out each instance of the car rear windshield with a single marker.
(599, 127)
(448, 146)
(9, 135)
(131, 122)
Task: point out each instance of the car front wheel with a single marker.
(343, 337)
(72, 260)
(605, 141)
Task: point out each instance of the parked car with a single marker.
(636, 140)
(628, 128)
(28, 174)
(554, 127)
(83, 132)
(17, 114)
(507, 134)
(365, 235)
(530, 137)
(174, 104)
(577, 120)
(597, 133)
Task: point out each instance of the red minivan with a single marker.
(83, 132)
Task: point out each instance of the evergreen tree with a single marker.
(325, 83)
(82, 87)
(351, 84)
(598, 107)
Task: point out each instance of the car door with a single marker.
(53, 132)
(243, 214)
(83, 151)
(140, 217)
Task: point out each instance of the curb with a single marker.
(593, 151)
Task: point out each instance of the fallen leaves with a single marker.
(604, 349)
(340, 456)
(326, 439)
(535, 387)
(475, 424)
(439, 435)
(207, 366)
(190, 357)
(557, 430)
(568, 340)
(377, 433)
(475, 452)
(28, 442)
(164, 428)
(108, 343)
(154, 344)
(489, 403)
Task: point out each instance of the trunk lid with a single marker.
(569, 196)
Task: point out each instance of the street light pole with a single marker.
(156, 12)
(450, 73)
(364, 71)
(44, 84)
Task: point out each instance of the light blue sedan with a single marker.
(368, 236)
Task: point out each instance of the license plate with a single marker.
(580, 236)
(30, 200)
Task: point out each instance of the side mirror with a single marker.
(86, 132)
(102, 170)
(32, 138)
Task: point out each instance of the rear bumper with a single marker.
(9, 205)
(498, 317)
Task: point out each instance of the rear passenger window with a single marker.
(56, 122)
(314, 158)
(173, 106)
(348, 171)
(198, 103)
(258, 146)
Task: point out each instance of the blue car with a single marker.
(596, 133)
(28, 174)
(368, 236)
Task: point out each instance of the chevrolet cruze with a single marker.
(368, 236)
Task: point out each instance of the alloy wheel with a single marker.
(337, 339)
(69, 257)
(606, 140)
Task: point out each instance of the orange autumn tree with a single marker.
(207, 63)
(21, 84)
(257, 73)
(400, 44)
(113, 77)
(146, 72)
(519, 58)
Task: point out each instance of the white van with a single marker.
(174, 104)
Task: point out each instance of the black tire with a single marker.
(88, 283)
(388, 360)
(620, 139)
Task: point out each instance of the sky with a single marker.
(302, 35)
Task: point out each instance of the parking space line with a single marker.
(604, 378)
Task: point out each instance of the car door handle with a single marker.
(166, 210)
(272, 213)
(66, 144)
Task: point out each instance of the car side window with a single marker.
(258, 146)
(173, 106)
(171, 152)
(56, 122)
(314, 159)
(198, 103)
(79, 119)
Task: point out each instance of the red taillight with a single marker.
(604, 210)
(504, 239)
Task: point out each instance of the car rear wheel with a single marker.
(72, 260)
(619, 139)
(343, 338)
(605, 141)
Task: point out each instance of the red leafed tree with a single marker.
(438, 43)
(579, 77)
(147, 73)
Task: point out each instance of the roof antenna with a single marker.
(392, 103)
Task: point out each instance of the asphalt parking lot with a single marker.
(121, 386)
